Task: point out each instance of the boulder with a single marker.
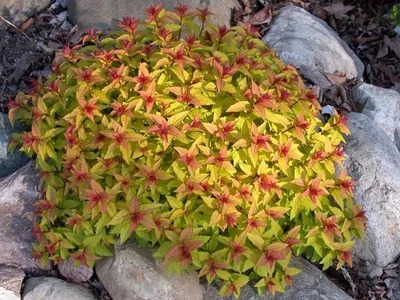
(48, 288)
(18, 11)
(8, 162)
(310, 284)
(18, 192)
(133, 273)
(103, 13)
(374, 162)
(307, 42)
(10, 282)
(381, 105)
(76, 274)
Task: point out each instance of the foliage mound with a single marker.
(193, 138)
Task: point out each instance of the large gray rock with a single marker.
(103, 13)
(133, 273)
(301, 39)
(76, 274)
(310, 284)
(18, 192)
(381, 105)
(10, 282)
(48, 288)
(8, 162)
(374, 162)
(18, 11)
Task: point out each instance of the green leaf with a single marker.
(163, 250)
(204, 100)
(92, 241)
(71, 203)
(124, 234)
(224, 275)
(177, 118)
(173, 202)
(292, 271)
(102, 250)
(172, 27)
(118, 218)
(256, 240)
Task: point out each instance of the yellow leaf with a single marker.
(238, 106)
(257, 240)
(204, 100)
(177, 118)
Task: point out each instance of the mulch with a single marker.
(27, 52)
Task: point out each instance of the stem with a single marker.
(11, 24)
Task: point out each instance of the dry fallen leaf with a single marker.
(338, 9)
(317, 77)
(21, 66)
(263, 16)
(394, 45)
(384, 49)
(295, 2)
(280, 4)
(238, 14)
(337, 78)
(246, 3)
(27, 24)
(367, 39)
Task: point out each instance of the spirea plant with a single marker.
(193, 138)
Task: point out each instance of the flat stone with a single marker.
(310, 284)
(76, 274)
(307, 42)
(381, 105)
(133, 273)
(18, 11)
(374, 162)
(10, 282)
(103, 13)
(48, 288)
(8, 162)
(18, 192)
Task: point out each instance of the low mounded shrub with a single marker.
(193, 138)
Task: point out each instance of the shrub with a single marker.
(191, 137)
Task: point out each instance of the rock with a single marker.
(66, 26)
(310, 284)
(59, 19)
(48, 288)
(103, 13)
(381, 105)
(397, 30)
(10, 282)
(18, 11)
(76, 274)
(301, 39)
(18, 192)
(59, 3)
(8, 162)
(374, 162)
(133, 273)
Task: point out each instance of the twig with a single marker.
(11, 24)
(347, 276)
(33, 43)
